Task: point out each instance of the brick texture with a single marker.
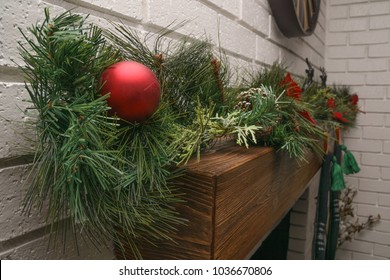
(376, 133)
(302, 221)
(376, 160)
(245, 29)
(369, 9)
(357, 53)
(12, 222)
(385, 173)
(386, 147)
(255, 15)
(371, 119)
(336, 12)
(14, 14)
(358, 246)
(369, 37)
(347, 25)
(380, 22)
(343, 2)
(380, 50)
(359, 256)
(15, 139)
(334, 39)
(342, 254)
(40, 249)
(383, 226)
(346, 52)
(382, 78)
(337, 65)
(364, 65)
(371, 92)
(366, 198)
(384, 200)
(358, 37)
(382, 250)
(374, 185)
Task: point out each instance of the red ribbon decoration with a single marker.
(339, 116)
(293, 89)
(354, 99)
(307, 116)
(330, 103)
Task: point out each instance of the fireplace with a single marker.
(292, 237)
(234, 198)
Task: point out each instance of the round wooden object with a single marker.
(296, 18)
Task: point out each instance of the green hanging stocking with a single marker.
(338, 183)
(349, 164)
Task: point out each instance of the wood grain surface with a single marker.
(234, 198)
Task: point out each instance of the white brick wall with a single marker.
(246, 31)
(358, 54)
(15, 139)
(302, 223)
(11, 222)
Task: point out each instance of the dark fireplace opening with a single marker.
(275, 246)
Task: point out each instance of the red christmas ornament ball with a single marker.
(134, 90)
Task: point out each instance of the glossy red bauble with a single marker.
(134, 90)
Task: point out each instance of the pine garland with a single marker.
(84, 166)
(112, 179)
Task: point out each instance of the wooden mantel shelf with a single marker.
(234, 198)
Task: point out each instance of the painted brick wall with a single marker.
(246, 31)
(302, 223)
(358, 54)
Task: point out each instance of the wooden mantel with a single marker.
(234, 198)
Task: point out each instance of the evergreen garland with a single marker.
(112, 179)
(89, 166)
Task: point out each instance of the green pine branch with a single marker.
(83, 168)
(112, 179)
(188, 70)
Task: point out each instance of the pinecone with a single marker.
(245, 98)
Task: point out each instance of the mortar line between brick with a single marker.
(219, 10)
(20, 240)
(174, 35)
(9, 74)
(16, 161)
(263, 35)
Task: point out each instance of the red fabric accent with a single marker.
(339, 116)
(354, 99)
(293, 89)
(307, 116)
(330, 103)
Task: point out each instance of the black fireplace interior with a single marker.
(275, 246)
